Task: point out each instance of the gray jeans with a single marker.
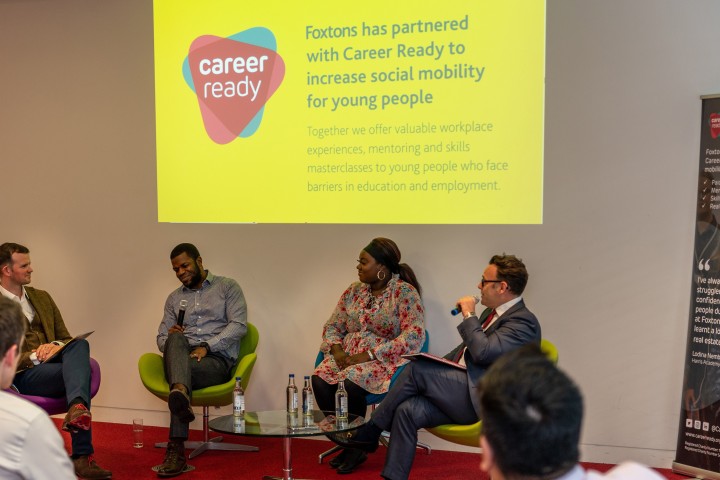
(180, 368)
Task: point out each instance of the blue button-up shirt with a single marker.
(216, 314)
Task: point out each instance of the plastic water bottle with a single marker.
(238, 399)
(238, 425)
(292, 395)
(341, 402)
(307, 397)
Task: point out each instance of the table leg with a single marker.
(287, 462)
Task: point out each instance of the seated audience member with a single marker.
(202, 352)
(531, 418)
(378, 319)
(66, 375)
(30, 445)
(428, 394)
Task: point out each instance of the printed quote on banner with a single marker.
(698, 447)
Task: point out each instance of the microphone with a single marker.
(181, 313)
(457, 309)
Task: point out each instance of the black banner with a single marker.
(698, 446)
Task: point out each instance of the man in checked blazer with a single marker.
(68, 374)
(428, 394)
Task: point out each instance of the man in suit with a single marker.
(66, 375)
(532, 414)
(428, 394)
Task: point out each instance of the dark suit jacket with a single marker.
(516, 327)
(53, 326)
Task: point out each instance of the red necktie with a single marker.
(489, 319)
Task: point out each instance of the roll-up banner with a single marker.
(698, 444)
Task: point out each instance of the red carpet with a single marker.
(113, 450)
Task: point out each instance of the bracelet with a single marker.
(371, 354)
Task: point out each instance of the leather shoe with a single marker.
(339, 459)
(361, 439)
(87, 469)
(77, 418)
(179, 404)
(353, 459)
(175, 462)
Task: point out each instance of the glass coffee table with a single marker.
(279, 423)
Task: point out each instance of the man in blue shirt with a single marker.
(202, 351)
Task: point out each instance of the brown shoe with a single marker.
(175, 462)
(77, 418)
(86, 468)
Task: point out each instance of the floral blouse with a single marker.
(390, 325)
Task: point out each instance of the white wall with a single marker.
(610, 267)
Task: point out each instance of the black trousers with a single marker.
(325, 396)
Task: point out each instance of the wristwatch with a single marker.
(371, 354)
(469, 314)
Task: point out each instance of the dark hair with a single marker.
(188, 248)
(512, 271)
(6, 252)
(386, 252)
(12, 325)
(531, 414)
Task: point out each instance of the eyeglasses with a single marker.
(483, 282)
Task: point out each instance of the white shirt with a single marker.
(27, 308)
(624, 471)
(502, 309)
(30, 445)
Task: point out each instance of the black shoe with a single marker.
(339, 459)
(353, 459)
(179, 404)
(175, 462)
(364, 438)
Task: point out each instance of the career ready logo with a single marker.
(233, 78)
(714, 125)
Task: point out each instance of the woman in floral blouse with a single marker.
(377, 320)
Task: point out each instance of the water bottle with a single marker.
(292, 395)
(307, 398)
(238, 425)
(238, 399)
(341, 402)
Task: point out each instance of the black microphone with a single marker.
(181, 313)
(457, 309)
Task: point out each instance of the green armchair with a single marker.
(469, 435)
(152, 375)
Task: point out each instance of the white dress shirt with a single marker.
(30, 446)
